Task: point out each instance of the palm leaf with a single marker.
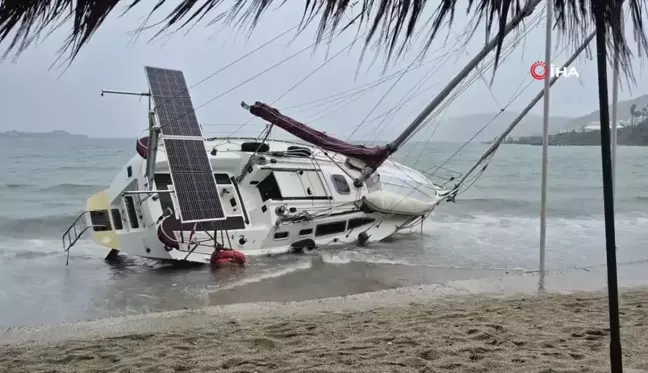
(392, 23)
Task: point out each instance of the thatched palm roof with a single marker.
(392, 23)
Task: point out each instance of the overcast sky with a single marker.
(34, 97)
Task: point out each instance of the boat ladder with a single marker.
(75, 231)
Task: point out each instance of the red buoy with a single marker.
(227, 256)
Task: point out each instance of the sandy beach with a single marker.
(549, 333)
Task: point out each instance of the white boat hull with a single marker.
(316, 192)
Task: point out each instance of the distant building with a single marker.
(596, 126)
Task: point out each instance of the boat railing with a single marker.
(442, 175)
(75, 231)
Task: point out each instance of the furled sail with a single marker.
(372, 157)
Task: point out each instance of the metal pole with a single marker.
(104, 91)
(545, 147)
(599, 11)
(526, 110)
(613, 134)
(615, 104)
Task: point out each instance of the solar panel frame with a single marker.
(193, 179)
(172, 103)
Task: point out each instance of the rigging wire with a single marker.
(508, 49)
(245, 82)
(343, 94)
(490, 122)
(511, 46)
(327, 111)
(184, 91)
(303, 79)
(384, 96)
(336, 102)
(362, 123)
(418, 90)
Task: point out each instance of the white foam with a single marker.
(265, 275)
(505, 241)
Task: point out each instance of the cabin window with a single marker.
(222, 179)
(340, 184)
(269, 189)
(101, 219)
(306, 232)
(129, 171)
(359, 222)
(132, 213)
(281, 235)
(117, 219)
(330, 228)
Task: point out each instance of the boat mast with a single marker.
(545, 147)
(154, 133)
(524, 112)
(420, 119)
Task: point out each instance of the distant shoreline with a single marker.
(40, 135)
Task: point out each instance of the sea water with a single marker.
(492, 228)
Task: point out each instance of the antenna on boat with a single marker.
(445, 92)
(104, 91)
(154, 132)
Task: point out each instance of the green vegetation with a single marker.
(636, 135)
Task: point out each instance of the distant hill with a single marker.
(464, 127)
(630, 136)
(623, 110)
(40, 135)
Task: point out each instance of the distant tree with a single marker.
(633, 113)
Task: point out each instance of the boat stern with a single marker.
(98, 217)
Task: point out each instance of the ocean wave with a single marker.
(64, 188)
(14, 186)
(500, 202)
(36, 227)
(71, 188)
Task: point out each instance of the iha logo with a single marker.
(539, 71)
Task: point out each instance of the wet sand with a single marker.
(476, 333)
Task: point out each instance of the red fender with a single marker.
(224, 257)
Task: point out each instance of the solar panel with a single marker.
(172, 102)
(193, 179)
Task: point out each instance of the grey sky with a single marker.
(34, 98)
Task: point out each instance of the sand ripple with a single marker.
(558, 333)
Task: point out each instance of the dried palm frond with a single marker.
(392, 23)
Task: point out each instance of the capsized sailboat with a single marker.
(182, 197)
